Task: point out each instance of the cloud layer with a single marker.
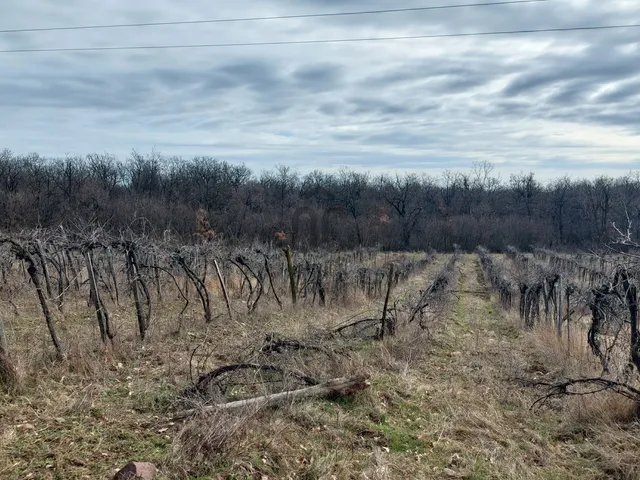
(555, 103)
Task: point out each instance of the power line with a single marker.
(312, 42)
(278, 17)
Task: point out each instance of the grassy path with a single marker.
(480, 422)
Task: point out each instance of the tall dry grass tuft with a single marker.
(9, 380)
(205, 441)
(617, 450)
(559, 358)
(607, 422)
(379, 469)
(259, 443)
(402, 351)
(562, 357)
(602, 409)
(8, 373)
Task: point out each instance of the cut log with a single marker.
(335, 387)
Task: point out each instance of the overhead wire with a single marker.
(265, 18)
(320, 41)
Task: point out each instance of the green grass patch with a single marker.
(399, 440)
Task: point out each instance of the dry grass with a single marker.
(605, 425)
(442, 404)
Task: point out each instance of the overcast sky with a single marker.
(556, 103)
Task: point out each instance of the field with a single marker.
(456, 353)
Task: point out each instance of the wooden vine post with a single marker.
(224, 289)
(136, 282)
(387, 327)
(112, 274)
(568, 291)
(32, 270)
(101, 312)
(45, 271)
(72, 268)
(156, 272)
(559, 313)
(631, 299)
(292, 280)
(320, 286)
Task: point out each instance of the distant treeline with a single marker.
(168, 196)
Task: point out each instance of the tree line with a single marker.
(172, 197)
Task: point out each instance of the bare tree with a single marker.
(560, 194)
(405, 195)
(351, 195)
(525, 189)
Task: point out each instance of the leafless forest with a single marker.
(158, 196)
(226, 325)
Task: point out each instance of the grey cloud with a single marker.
(435, 70)
(416, 104)
(185, 78)
(319, 77)
(568, 87)
(331, 108)
(498, 17)
(395, 138)
(373, 106)
(86, 93)
(630, 119)
(460, 84)
(379, 107)
(621, 92)
(597, 64)
(259, 75)
(569, 93)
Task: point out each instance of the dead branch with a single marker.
(336, 387)
(363, 323)
(589, 386)
(275, 344)
(201, 287)
(273, 288)
(211, 377)
(180, 291)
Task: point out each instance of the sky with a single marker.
(552, 103)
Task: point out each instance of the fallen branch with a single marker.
(275, 344)
(590, 385)
(212, 377)
(371, 321)
(335, 387)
